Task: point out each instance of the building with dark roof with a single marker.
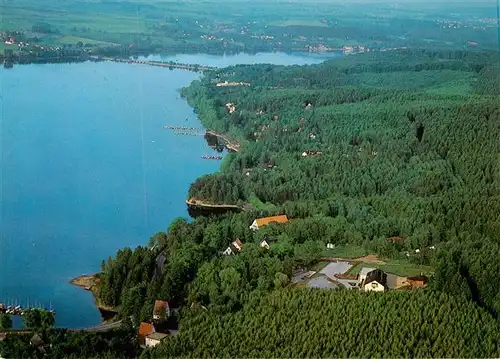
(375, 281)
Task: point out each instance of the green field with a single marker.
(394, 266)
(76, 39)
(258, 204)
(167, 22)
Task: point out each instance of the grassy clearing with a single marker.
(319, 266)
(398, 267)
(84, 40)
(257, 203)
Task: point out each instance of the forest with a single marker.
(396, 144)
(62, 343)
(305, 323)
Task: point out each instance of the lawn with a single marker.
(257, 203)
(398, 267)
(318, 266)
(84, 40)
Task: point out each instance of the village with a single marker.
(329, 273)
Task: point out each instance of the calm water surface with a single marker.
(87, 168)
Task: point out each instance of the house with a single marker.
(238, 244)
(228, 251)
(37, 342)
(330, 245)
(363, 273)
(266, 242)
(145, 329)
(235, 247)
(154, 339)
(260, 222)
(375, 281)
(161, 310)
(418, 281)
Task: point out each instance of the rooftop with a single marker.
(267, 220)
(146, 329)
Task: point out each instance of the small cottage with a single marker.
(266, 242)
(145, 329)
(363, 273)
(154, 339)
(233, 248)
(260, 222)
(375, 281)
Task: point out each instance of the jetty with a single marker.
(174, 65)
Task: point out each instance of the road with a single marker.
(101, 327)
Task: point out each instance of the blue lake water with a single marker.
(87, 168)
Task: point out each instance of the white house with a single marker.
(330, 245)
(154, 339)
(264, 244)
(235, 247)
(363, 273)
(375, 281)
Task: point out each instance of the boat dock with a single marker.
(211, 157)
(183, 128)
(14, 309)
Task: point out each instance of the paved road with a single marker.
(101, 327)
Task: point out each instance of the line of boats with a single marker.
(183, 128)
(211, 157)
(188, 134)
(18, 310)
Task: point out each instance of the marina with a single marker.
(188, 134)
(15, 309)
(183, 128)
(211, 157)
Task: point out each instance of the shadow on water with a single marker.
(198, 211)
(215, 142)
(474, 291)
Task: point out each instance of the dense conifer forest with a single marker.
(354, 151)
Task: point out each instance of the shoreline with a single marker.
(91, 282)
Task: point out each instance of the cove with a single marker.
(87, 168)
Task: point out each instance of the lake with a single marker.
(87, 168)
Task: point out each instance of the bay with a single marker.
(87, 168)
